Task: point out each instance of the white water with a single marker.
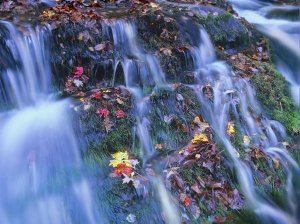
(230, 93)
(40, 163)
(233, 93)
(283, 32)
(142, 70)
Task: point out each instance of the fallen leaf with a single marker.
(102, 112)
(159, 146)
(78, 83)
(120, 114)
(123, 168)
(200, 138)
(97, 96)
(185, 200)
(230, 128)
(78, 71)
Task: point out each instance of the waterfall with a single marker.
(41, 171)
(231, 92)
(283, 32)
(142, 70)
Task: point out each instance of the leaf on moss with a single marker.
(199, 138)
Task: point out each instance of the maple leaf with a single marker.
(185, 199)
(120, 114)
(127, 179)
(120, 155)
(78, 83)
(133, 162)
(48, 13)
(200, 138)
(189, 149)
(120, 158)
(102, 112)
(78, 71)
(230, 128)
(97, 96)
(122, 168)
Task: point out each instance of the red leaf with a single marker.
(102, 112)
(122, 168)
(189, 149)
(185, 200)
(97, 96)
(120, 113)
(78, 71)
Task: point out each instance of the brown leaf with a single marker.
(196, 188)
(107, 124)
(179, 182)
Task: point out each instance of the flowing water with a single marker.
(282, 25)
(233, 94)
(142, 70)
(41, 172)
(40, 164)
(230, 94)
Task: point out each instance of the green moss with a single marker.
(189, 175)
(245, 216)
(225, 30)
(273, 93)
(119, 138)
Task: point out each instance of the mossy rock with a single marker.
(226, 31)
(273, 93)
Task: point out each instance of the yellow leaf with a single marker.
(116, 162)
(246, 140)
(120, 155)
(48, 13)
(105, 91)
(276, 162)
(230, 128)
(199, 138)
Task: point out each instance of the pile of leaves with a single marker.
(196, 174)
(124, 167)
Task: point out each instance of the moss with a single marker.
(245, 216)
(225, 30)
(117, 139)
(189, 175)
(272, 91)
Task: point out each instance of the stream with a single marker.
(43, 177)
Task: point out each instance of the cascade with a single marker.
(41, 171)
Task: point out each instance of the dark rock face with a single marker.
(166, 34)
